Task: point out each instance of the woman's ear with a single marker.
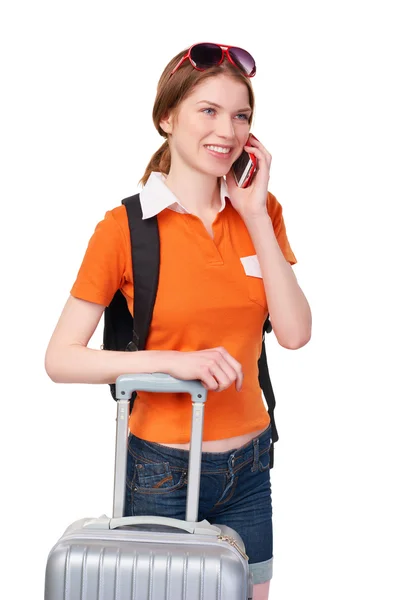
(166, 123)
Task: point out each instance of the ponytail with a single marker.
(160, 161)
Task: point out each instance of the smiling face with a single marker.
(210, 127)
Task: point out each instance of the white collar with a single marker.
(156, 196)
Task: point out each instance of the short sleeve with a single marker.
(103, 268)
(275, 212)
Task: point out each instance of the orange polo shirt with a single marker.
(207, 297)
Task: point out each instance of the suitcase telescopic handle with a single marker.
(158, 382)
(125, 385)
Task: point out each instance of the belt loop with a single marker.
(256, 455)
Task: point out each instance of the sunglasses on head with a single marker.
(203, 56)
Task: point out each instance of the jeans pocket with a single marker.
(158, 490)
(263, 462)
(157, 478)
(264, 457)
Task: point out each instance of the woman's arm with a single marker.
(69, 360)
(289, 310)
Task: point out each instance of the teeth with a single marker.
(219, 149)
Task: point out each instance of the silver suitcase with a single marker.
(150, 558)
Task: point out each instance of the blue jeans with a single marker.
(235, 490)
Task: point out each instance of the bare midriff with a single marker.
(222, 445)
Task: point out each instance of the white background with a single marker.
(78, 83)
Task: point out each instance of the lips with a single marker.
(219, 150)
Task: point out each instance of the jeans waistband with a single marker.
(155, 452)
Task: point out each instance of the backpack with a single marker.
(121, 332)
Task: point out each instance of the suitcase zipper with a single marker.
(233, 542)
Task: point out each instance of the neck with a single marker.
(197, 192)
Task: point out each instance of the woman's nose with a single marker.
(225, 128)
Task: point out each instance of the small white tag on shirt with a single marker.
(251, 266)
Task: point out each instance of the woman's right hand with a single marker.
(215, 368)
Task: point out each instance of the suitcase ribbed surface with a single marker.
(126, 571)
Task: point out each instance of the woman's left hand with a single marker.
(251, 202)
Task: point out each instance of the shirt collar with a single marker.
(156, 196)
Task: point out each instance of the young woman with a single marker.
(225, 262)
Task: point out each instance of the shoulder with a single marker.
(117, 215)
(275, 212)
(273, 203)
(111, 234)
(274, 208)
(115, 223)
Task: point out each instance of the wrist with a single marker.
(163, 360)
(261, 218)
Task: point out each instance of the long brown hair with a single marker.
(171, 92)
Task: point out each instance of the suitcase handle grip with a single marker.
(199, 527)
(125, 385)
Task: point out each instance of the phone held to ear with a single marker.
(244, 168)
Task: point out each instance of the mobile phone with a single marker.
(244, 168)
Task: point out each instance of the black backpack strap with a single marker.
(145, 245)
(266, 386)
(121, 332)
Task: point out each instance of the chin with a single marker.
(219, 172)
(215, 170)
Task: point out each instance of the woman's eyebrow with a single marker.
(247, 109)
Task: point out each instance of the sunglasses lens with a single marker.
(243, 60)
(206, 55)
